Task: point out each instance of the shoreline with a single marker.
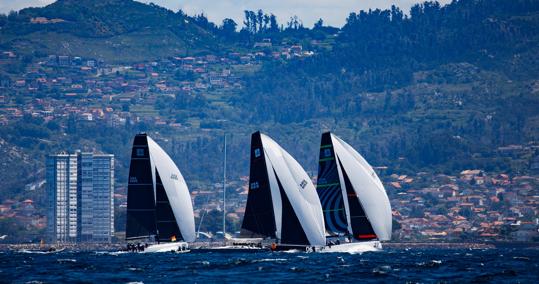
(388, 245)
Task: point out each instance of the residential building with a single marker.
(61, 179)
(80, 192)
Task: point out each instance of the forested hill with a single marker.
(383, 48)
(442, 86)
(489, 33)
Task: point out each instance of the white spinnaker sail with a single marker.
(361, 160)
(368, 187)
(299, 189)
(176, 190)
(275, 197)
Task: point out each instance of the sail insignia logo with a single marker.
(174, 176)
(133, 180)
(327, 153)
(254, 185)
(303, 184)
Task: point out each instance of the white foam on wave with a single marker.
(110, 252)
(292, 251)
(271, 260)
(37, 251)
(63, 260)
(31, 251)
(351, 248)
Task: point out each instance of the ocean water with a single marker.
(389, 265)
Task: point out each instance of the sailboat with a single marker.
(357, 212)
(159, 206)
(282, 204)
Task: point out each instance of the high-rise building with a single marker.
(80, 193)
(62, 197)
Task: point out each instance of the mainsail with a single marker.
(353, 198)
(259, 219)
(286, 191)
(330, 191)
(140, 192)
(166, 211)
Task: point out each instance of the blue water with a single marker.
(390, 265)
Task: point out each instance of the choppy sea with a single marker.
(389, 265)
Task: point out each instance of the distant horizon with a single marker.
(331, 12)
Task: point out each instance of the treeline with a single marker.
(258, 25)
(257, 22)
(468, 30)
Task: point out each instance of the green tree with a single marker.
(228, 27)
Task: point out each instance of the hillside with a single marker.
(111, 30)
(444, 87)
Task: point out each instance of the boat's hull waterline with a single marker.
(357, 247)
(177, 247)
(352, 248)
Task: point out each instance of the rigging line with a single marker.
(203, 214)
(224, 192)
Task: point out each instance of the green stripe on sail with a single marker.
(327, 184)
(326, 159)
(326, 146)
(333, 210)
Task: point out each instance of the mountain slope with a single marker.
(112, 30)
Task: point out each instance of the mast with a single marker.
(224, 192)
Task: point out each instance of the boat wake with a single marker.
(40, 251)
(353, 248)
(111, 252)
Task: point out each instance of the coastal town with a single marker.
(473, 205)
(59, 86)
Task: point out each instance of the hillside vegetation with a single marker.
(118, 31)
(438, 90)
(444, 86)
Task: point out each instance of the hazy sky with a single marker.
(334, 12)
